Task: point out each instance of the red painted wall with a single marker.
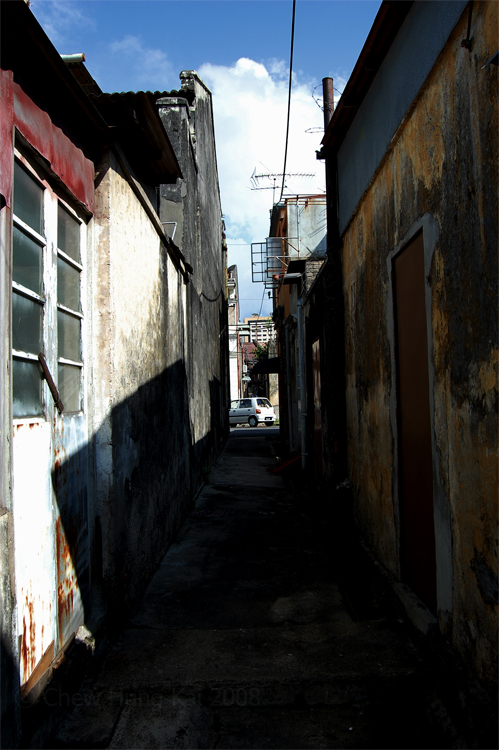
(64, 158)
(6, 124)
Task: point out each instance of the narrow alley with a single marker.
(243, 640)
(167, 581)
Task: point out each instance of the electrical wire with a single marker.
(289, 102)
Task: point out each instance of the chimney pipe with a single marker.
(328, 96)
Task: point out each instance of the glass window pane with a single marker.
(27, 389)
(69, 387)
(68, 329)
(28, 199)
(68, 285)
(27, 262)
(26, 324)
(68, 234)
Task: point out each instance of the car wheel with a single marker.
(253, 422)
(269, 424)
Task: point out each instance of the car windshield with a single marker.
(264, 402)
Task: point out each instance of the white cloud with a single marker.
(148, 68)
(250, 102)
(59, 19)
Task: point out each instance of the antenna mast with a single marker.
(256, 179)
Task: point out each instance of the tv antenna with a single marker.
(272, 177)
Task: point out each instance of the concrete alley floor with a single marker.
(243, 640)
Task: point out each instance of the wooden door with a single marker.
(316, 362)
(414, 425)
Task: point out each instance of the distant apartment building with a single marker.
(261, 329)
(235, 355)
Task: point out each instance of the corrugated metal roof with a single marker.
(134, 117)
(139, 129)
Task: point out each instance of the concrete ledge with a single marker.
(417, 612)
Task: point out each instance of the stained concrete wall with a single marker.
(160, 353)
(195, 203)
(141, 463)
(439, 175)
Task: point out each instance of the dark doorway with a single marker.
(316, 361)
(414, 425)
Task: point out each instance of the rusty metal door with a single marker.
(49, 440)
(414, 425)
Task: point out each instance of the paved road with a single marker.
(242, 639)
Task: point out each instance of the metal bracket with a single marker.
(50, 382)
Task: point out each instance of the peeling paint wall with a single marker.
(439, 175)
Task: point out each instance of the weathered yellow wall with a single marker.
(442, 162)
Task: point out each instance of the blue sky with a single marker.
(241, 50)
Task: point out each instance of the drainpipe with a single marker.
(331, 172)
(337, 398)
(303, 397)
(288, 388)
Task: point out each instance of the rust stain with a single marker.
(65, 602)
(17, 428)
(39, 670)
(67, 586)
(28, 640)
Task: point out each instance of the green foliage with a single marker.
(261, 352)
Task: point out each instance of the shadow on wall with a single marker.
(140, 505)
(143, 473)
(10, 684)
(121, 499)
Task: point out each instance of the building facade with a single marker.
(236, 358)
(260, 329)
(114, 377)
(299, 244)
(401, 322)
(389, 351)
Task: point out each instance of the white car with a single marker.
(252, 411)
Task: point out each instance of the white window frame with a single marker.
(52, 197)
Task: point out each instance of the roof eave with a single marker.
(43, 71)
(146, 140)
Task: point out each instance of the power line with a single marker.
(289, 100)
